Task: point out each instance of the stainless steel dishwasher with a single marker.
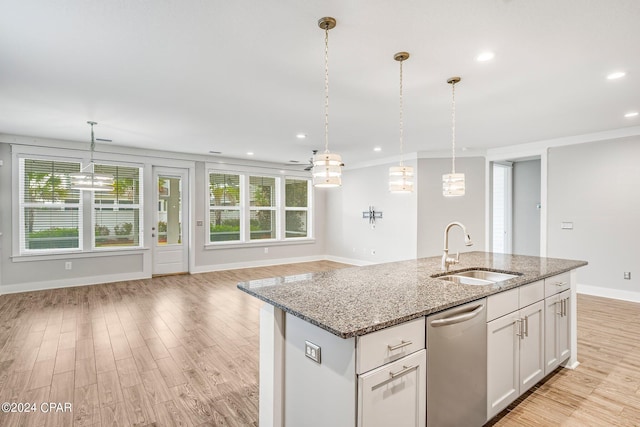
(457, 366)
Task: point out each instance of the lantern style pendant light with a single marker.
(401, 177)
(453, 183)
(327, 166)
(87, 179)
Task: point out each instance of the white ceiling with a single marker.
(237, 76)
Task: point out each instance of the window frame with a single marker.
(306, 209)
(245, 208)
(86, 208)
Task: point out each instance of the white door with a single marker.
(503, 363)
(531, 346)
(564, 327)
(170, 231)
(394, 394)
(552, 314)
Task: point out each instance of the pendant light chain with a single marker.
(326, 88)
(453, 127)
(401, 120)
(93, 141)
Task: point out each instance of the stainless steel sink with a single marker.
(477, 277)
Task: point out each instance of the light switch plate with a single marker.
(199, 223)
(567, 226)
(312, 351)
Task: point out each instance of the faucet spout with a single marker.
(446, 259)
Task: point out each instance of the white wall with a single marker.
(47, 271)
(350, 237)
(526, 214)
(597, 187)
(435, 211)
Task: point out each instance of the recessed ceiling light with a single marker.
(301, 135)
(631, 114)
(485, 56)
(249, 153)
(616, 75)
(377, 148)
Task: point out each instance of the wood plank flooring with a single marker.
(183, 351)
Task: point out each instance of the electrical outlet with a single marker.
(627, 275)
(67, 265)
(312, 351)
(199, 223)
(266, 250)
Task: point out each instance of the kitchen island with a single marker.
(319, 331)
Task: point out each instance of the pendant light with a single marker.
(87, 179)
(453, 183)
(401, 177)
(327, 167)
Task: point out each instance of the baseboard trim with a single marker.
(70, 283)
(254, 263)
(599, 291)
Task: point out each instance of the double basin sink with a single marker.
(477, 277)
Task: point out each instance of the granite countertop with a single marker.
(358, 300)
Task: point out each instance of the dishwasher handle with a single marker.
(458, 318)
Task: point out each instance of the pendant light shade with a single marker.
(87, 179)
(327, 166)
(453, 183)
(401, 177)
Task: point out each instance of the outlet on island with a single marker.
(67, 265)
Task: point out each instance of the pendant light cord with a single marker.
(326, 88)
(401, 120)
(453, 128)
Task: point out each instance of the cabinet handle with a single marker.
(564, 305)
(526, 326)
(519, 326)
(558, 284)
(403, 343)
(559, 303)
(404, 370)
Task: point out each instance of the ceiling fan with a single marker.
(310, 165)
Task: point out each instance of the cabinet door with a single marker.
(394, 394)
(532, 345)
(552, 314)
(564, 327)
(502, 363)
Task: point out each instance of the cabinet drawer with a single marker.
(389, 344)
(394, 394)
(557, 284)
(503, 303)
(533, 292)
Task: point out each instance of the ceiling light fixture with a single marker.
(631, 114)
(616, 75)
(453, 183)
(377, 149)
(485, 56)
(327, 167)
(401, 177)
(249, 153)
(87, 179)
(301, 135)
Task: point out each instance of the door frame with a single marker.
(186, 175)
(516, 155)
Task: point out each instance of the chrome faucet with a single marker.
(446, 259)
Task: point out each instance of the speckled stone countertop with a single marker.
(358, 300)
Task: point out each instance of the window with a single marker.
(224, 207)
(296, 207)
(246, 207)
(262, 193)
(117, 214)
(50, 212)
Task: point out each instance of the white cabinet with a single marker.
(394, 394)
(557, 330)
(515, 348)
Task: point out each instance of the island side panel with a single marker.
(573, 363)
(271, 403)
(318, 394)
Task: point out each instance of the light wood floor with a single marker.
(183, 350)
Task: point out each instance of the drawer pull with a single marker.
(403, 343)
(558, 284)
(404, 370)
